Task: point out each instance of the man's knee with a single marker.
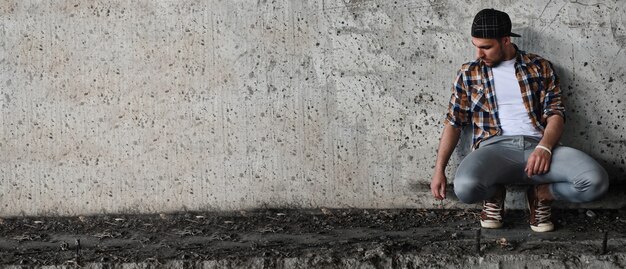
(592, 184)
(467, 189)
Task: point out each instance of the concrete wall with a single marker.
(154, 106)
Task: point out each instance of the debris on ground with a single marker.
(330, 234)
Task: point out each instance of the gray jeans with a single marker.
(573, 175)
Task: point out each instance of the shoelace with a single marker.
(542, 212)
(492, 211)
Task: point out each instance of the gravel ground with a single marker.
(284, 233)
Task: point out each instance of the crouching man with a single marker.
(512, 100)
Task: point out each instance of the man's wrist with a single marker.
(544, 148)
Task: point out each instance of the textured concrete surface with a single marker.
(283, 238)
(153, 106)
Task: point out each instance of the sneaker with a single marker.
(493, 210)
(540, 212)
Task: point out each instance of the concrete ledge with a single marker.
(314, 239)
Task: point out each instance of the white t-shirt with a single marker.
(514, 117)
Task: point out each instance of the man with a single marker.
(512, 99)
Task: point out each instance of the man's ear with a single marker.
(506, 40)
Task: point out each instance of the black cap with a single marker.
(491, 23)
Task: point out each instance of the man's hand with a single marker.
(538, 162)
(438, 185)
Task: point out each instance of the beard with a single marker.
(496, 61)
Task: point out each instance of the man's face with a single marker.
(489, 50)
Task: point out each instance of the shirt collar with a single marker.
(520, 56)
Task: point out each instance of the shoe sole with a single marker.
(542, 229)
(490, 225)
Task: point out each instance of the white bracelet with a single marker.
(544, 148)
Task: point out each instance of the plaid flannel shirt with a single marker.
(473, 97)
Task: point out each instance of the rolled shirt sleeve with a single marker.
(458, 107)
(551, 97)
